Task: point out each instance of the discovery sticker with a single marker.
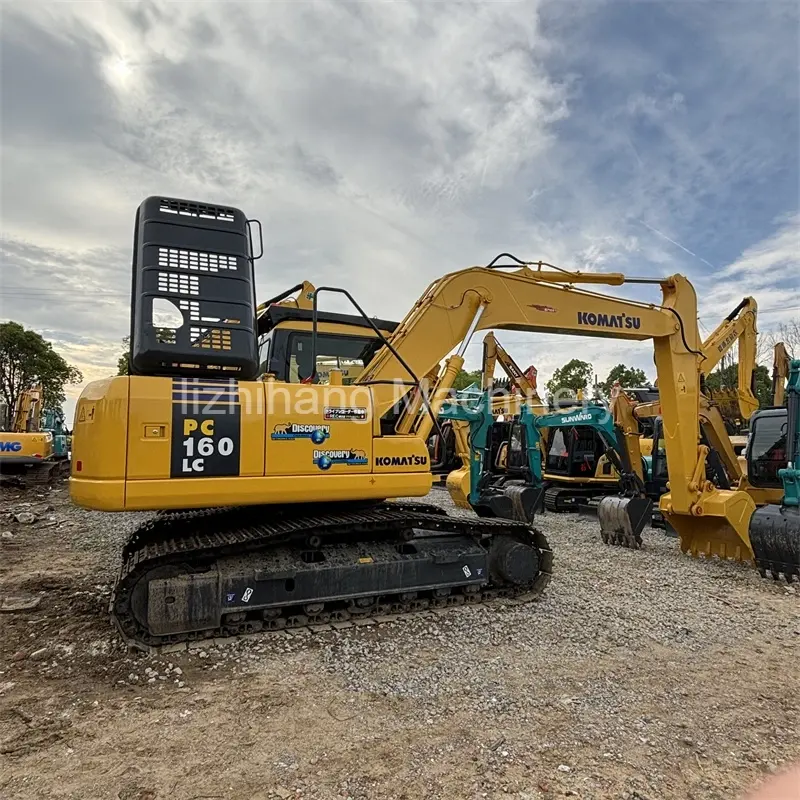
(290, 431)
(351, 413)
(325, 459)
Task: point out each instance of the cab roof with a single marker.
(274, 315)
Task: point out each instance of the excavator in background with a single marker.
(774, 456)
(282, 504)
(556, 437)
(781, 366)
(36, 449)
(577, 470)
(759, 463)
(448, 443)
(502, 472)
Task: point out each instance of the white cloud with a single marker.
(781, 251)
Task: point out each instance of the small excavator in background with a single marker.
(283, 503)
(36, 449)
(761, 461)
(502, 472)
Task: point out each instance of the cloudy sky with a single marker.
(383, 144)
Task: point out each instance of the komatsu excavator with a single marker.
(273, 493)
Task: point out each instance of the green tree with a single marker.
(628, 378)
(26, 360)
(464, 379)
(124, 361)
(573, 376)
(728, 378)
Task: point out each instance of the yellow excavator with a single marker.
(260, 530)
(781, 364)
(30, 450)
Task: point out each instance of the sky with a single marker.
(383, 144)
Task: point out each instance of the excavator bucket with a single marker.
(622, 519)
(775, 538)
(458, 487)
(721, 530)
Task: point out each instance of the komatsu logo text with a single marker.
(401, 461)
(609, 320)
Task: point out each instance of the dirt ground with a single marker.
(640, 675)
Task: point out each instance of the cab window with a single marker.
(767, 450)
(347, 353)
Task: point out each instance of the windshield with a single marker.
(348, 353)
(767, 450)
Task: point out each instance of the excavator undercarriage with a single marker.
(219, 572)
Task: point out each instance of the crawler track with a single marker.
(202, 542)
(564, 499)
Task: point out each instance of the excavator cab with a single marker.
(766, 452)
(345, 342)
(772, 456)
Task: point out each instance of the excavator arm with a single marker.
(27, 410)
(494, 352)
(739, 325)
(460, 303)
(709, 520)
(781, 364)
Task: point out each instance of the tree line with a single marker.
(28, 360)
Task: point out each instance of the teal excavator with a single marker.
(776, 440)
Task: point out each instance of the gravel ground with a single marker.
(639, 674)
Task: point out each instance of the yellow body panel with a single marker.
(762, 496)
(145, 443)
(25, 447)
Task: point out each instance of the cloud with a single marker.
(384, 144)
(781, 251)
